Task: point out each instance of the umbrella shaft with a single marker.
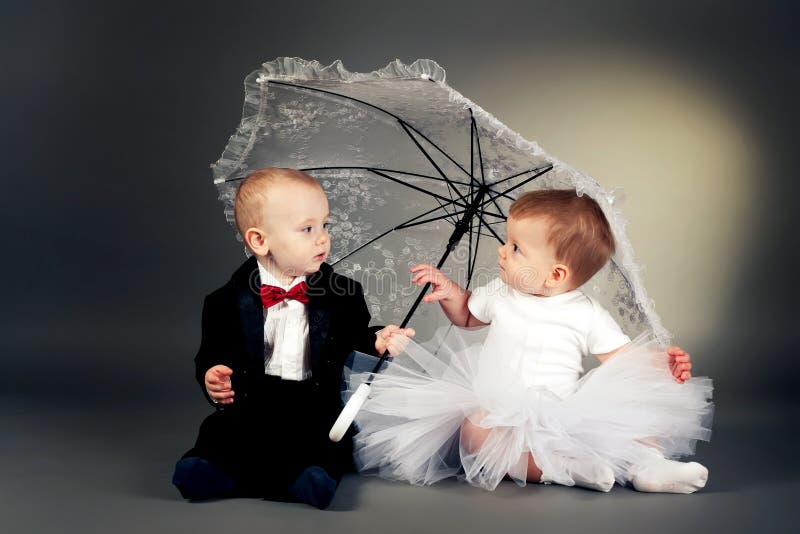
(461, 228)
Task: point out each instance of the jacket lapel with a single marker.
(318, 313)
(247, 284)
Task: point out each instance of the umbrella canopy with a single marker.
(415, 172)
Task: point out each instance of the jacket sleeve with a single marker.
(365, 341)
(211, 342)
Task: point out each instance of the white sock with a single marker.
(591, 474)
(660, 475)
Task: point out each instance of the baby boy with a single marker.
(274, 343)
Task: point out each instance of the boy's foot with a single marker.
(314, 486)
(660, 475)
(198, 479)
(590, 474)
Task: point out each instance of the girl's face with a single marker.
(526, 260)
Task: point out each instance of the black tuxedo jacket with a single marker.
(233, 335)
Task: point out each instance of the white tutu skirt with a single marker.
(410, 426)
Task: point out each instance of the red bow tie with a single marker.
(271, 295)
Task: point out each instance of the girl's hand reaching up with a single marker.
(443, 287)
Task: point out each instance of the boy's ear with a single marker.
(559, 275)
(256, 241)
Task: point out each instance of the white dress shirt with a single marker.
(286, 345)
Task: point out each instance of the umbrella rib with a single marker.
(449, 192)
(373, 106)
(471, 157)
(473, 258)
(471, 189)
(390, 230)
(470, 262)
(417, 223)
(452, 220)
(392, 178)
(480, 153)
(488, 227)
(434, 145)
(384, 170)
(406, 127)
(491, 213)
(425, 176)
(505, 194)
(539, 170)
(502, 194)
(307, 88)
(372, 169)
(494, 201)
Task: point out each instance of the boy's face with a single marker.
(526, 260)
(295, 225)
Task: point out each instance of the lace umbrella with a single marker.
(414, 172)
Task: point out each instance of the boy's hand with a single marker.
(442, 286)
(393, 338)
(680, 364)
(218, 384)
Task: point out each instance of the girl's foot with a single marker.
(590, 474)
(660, 475)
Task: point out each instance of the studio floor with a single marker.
(102, 467)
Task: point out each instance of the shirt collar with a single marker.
(268, 279)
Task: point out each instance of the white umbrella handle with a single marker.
(349, 412)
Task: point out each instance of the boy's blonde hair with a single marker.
(578, 229)
(248, 207)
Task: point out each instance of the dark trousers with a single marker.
(265, 442)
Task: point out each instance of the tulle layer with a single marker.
(410, 428)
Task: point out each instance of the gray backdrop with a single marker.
(113, 234)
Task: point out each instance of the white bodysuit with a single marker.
(545, 338)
